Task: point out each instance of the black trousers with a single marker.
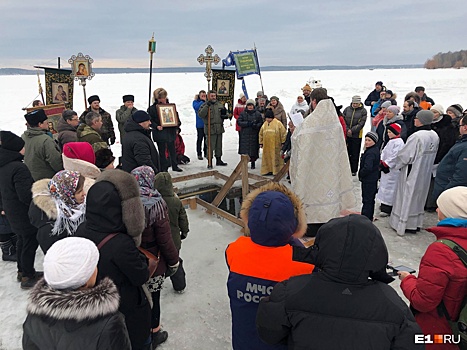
(161, 146)
(201, 136)
(369, 190)
(178, 279)
(26, 247)
(353, 149)
(156, 309)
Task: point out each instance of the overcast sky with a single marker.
(287, 32)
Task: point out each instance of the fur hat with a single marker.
(395, 128)
(438, 108)
(140, 116)
(452, 202)
(127, 98)
(250, 102)
(273, 213)
(456, 109)
(372, 135)
(79, 150)
(425, 117)
(128, 191)
(386, 104)
(356, 99)
(274, 98)
(394, 109)
(36, 117)
(307, 87)
(93, 98)
(10, 141)
(269, 113)
(70, 262)
(104, 157)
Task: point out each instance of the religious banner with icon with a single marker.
(223, 83)
(246, 62)
(58, 87)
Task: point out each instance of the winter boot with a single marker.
(253, 165)
(200, 156)
(158, 338)
(8, 251)
(29, 282)
(220, 162)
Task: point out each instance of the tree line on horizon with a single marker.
(449, 59)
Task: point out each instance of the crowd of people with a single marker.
(104, 269)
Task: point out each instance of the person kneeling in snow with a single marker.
(274, 216)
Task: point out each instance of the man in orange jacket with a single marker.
(275, 218)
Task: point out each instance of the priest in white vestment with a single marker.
(319, 166)
(415, 161)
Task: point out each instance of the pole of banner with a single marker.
(259, 69)
(151, 50)
(82, 82)
(41, 91)
(58, 62)
(208, 59)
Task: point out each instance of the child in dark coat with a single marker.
(369, 174)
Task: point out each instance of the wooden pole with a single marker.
(210, 151)
(245, 187)
(150, 81)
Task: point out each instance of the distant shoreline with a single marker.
(20, 71)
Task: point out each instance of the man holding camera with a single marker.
(216, 112)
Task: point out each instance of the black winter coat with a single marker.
(373, 96)
(448, 135)
(138, 148)
(369, 164)
(164, 135)
(75, 320)
(409, 121)
(15, 185)
(338, 306)
(452, 170)
(119, 259)
(250, 123)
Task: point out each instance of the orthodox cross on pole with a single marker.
(208, 60)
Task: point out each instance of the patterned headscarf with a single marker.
(154, 205)
(70, 214)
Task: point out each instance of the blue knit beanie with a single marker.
(271, 219)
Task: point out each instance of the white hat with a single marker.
(70, 262)
(453, 202)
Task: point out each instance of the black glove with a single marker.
(171, 270)
(183, 235)
(384, 167)
(112, 140)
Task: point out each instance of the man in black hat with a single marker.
(125, 112)
(42, 156)
(137, 146)
(107, 130)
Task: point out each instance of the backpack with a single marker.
(459, 326)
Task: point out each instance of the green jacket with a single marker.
(42, 157)
(87, 134)
(122, 116)
(217, 122)
(178, 218)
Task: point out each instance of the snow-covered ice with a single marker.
(200, 318)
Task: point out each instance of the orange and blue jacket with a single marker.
(254, 271)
